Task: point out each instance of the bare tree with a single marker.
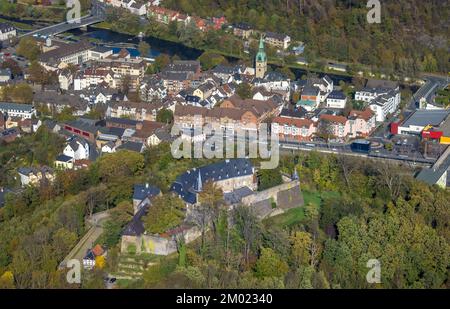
(248, 226)
(348, 165)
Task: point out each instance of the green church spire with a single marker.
(261, 55)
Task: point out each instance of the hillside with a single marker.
(411, 38)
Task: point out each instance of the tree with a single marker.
(165, 213)
(301, 242)
(165, 116)
(209, 60)
(269, 178)
(270, 264)
(13, 66)
(38, 74)
(143, 48)
(28, 48)
(125, 84)
(7, 280)
(120, 164)
(100, 262)
(244, 90)
(248, 227)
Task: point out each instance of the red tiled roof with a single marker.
(98, 250)
(365, 114)
(298, 122)
(333, 118)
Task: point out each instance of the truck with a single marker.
(361, 146)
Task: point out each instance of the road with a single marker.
(400, 153)
(89, 239)
(97, 15)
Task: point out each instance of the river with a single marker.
(158, 46)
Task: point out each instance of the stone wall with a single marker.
(156, 244)
(285, 196)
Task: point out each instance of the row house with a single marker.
(383, 97)
(180, 75)
(138, 7)
(357, 124)
(22, 111)
(292, 126)
(67, 53)
(281, 41)
(7, 31)
(336, 99)
(188, 117)
(94, 76)
(33, 176)
(162, 15)
(362, 123)
(152, 88)
(134, 110)
(243, 30)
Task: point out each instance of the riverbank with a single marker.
(298, 69)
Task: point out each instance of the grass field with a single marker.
(297, 215)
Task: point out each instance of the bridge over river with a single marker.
(98, 14)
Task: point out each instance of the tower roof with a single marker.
(261, 55)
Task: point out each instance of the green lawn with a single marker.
(296, 215)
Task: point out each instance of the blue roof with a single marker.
(142, 191)
(338, 95)
(64, 158)
(89, 255)
(185, 184)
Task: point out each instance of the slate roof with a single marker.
(426, 117)
(185, 184)
(142, 191)
(6, 106)
(276, 36)
(337, 95)
(236, 196)
(296, 113)
(64, 158)
(65, 50)
(135, 227)
(132, 146)
(310, 91)
(432, 175)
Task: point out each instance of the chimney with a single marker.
(146, 185)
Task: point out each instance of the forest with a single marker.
(412, 36)
(354, 211)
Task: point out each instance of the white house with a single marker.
(77, 148)
(385, 104)
(281, 41)
(274, 81)
(7, 32)
(65, 79)
(336, 99)
(108, 147)
(23, 111)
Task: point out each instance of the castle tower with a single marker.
(261, 60)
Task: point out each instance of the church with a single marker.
(261, 60)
